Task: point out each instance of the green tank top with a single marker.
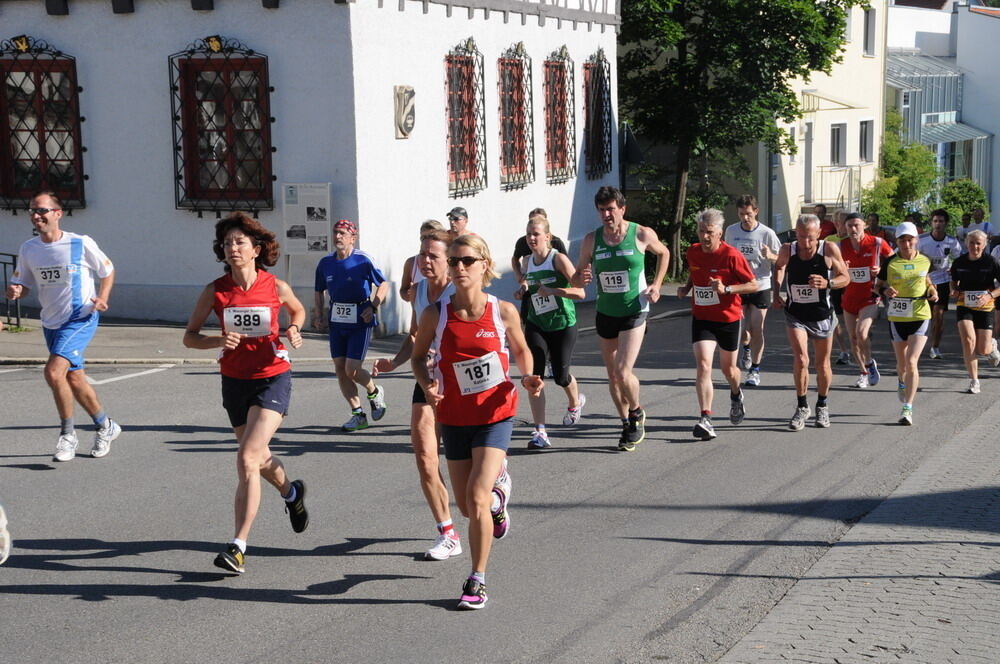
(550, 312)
(909, 278)
(620, 274)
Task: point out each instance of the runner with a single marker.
(814, 267)
(875, 228)
(719, 276)
(840, 334)
(904, 280)
(62, 267)
(550, 327)
(615, 255)
(256, 373)
(474, 397)
(942, 249)
(411, 272)
(863, 255)
(356, 288)
(995, 253)
(974, 278)
(759, 246)
(458, 220)
(434, 287)
(521, 249)
(5, 541)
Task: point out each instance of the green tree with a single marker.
(712, 76)
(961, 196)
(914, 166)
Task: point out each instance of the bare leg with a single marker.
(913, 347)
(704, 353)
(629, 344)
(731, 371)
(937, 325)
(482, 472)
(253, 461)
(755, 327)
(537, 407)
(967, 336)
(609, 353)
(83, 392)
(824, 373)
(799, 342)
(346, 381)
(56, 370)
(425, 448)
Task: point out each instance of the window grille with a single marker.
(466, 112)
(517, 123)
(220, 98)
(597, 115)
(40, 145)
(560, 118)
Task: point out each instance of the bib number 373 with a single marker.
(479, 374)
(251, 321)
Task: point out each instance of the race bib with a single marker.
(479, 374)
(57, 275)
(748, 249)
(343, 312)
(975, 298)
(939, 262)
(251, 321)
(614, 282)
(543, 304)
(860, 275)
(705, 296)
(901, 306)
(804, 294)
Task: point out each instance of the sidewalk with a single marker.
(916, 580)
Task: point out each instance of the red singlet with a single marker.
(254, 313)
(725, 263)
(862, 266)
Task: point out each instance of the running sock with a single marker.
(357, 411)
(803, 402)
(447, 528)
(478, 576)
(706, 413)
(754, 367)
(736, 396)
(371, 395)
(746, 347)
(821, 400)
(907, 405)
(100, 419)
(539, 427)
(239, 543)
(635, 414)
(66, 426)
(292, 494)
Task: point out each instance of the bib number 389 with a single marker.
(479, 374)
(251, 321)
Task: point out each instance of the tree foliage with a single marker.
(908, 174)
(964, 195)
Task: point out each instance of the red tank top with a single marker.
(473, 368)
(254, 313)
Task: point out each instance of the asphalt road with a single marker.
(670, 553)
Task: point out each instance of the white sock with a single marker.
(240, 543)
(292, 494)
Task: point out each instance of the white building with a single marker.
(514, 107)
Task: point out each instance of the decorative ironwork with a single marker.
(220, 100)
(40, 145)
(466, 113)
(517, 122)
(560, 118)
(598, 122)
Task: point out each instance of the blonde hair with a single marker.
(431, 225)
(478, 245)
(977, 234)
(539, 220)
(538, 212)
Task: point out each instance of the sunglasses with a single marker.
(42, 211)
(467, 261)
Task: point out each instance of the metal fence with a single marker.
(8, 262)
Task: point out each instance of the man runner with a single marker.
(942, 249)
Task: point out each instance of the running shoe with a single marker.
(503, 479)
(103, 438)
(377, 403)
(935, 353)
(862, 381)
(232, 559)
(906, 416)
(297, 512)
(704, 429)
(357, 422)
(798, 421)
(66, 447)
(473, 595)
(753, 378)
(900, 391)
(5, 541)
(737, 409)
(822, 417)
(994, 355)
(539, 440)
(635, 433)
(745, 359)
(873, 375)
(974, 386)
(843, 358)
(445, 547)
(501, 517)
(573, 415)
(623, 444)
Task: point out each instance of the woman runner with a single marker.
(974, 277)
(256, 373)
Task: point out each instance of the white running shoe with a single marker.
(66, 447)
(5, 541)
(974, 386)
(103, 438)
(753, 378)
(573, 415)
(503, 481)
(746, 359)
(906, 416)
(862, 381)
(357, 422)
(994, 355)
(798, 421)
(539, 440)
(935, 353)
(378, 403)
(445, 547)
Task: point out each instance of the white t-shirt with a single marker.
(749, 243)
(962, 231)
(942, 253)
(62, 275)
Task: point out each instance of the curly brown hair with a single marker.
(253, 229)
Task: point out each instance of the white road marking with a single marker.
(10, 370)
(162, 367)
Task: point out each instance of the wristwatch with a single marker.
(728, 290)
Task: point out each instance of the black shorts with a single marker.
(901, 330)
(609, 327)
(418, 393)
(835, 300)
(239, 395)
(761, 299)
(460, 440)
(981, 320)
(944, 295)
(727, 335)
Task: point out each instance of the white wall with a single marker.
(978, 52)
(926, 29)
(403, 182)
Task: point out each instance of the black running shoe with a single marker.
(232, 559)
(297, 512)
(473, 595)
(623, 444)
(636, 431)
